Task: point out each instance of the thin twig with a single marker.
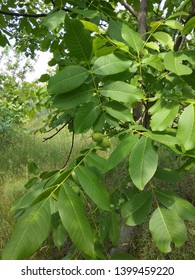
(13, 14)
(130, 9)
(16, 14)
(50, 137)
(70, 152)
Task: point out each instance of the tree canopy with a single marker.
(125, 71)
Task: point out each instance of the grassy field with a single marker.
(20, 148)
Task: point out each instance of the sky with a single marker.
(40, 67)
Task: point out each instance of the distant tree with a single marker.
(125, 72)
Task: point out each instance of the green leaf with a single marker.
(90, 14)
(3, 40)
(132, 38)
(32, 168)
(190, 24)
(186, 127)
(93, 188)
(167, 175)
(166, 227)
(122, 150)
(174, 24)
(101, 47)
(164, 38)
(137, 208)
(31, 230)
(3, 23)
(68, 79)
(153, 46)
(78, 39)
(174, 62)
(27, 199)
(165, 139)
(114, 30)
(143, 162)
(73, 98)
(44, 78)
(118, 111)
(113, 221)
(59, 234)
(86, 117)
(172, 201)
(110, 64)
(163, 118)
(90, 26)
(53, 20)
(121, 91)
(94, 160)
(73, 217)
(154, 61)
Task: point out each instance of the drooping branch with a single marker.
(70, 152)
(130, 9)
(62, 127)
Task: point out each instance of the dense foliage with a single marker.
(125, 72)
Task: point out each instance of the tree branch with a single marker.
(130, 9)
(50, 137)
(70, 152)
(13, 14)
(142, 25)
(181, 39)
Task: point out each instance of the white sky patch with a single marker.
(40, 66)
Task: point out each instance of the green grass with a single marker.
(16, 150)
(20, 148)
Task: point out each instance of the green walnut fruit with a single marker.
(105, 143)
(97, 137)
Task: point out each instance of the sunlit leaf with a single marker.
(174, 24)
(110, 64)
(174, 63)
(132, 38)
(121, 91)
(53, 20)
(186, 127)
(164, 38)
(165, 116)
(190, 24)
